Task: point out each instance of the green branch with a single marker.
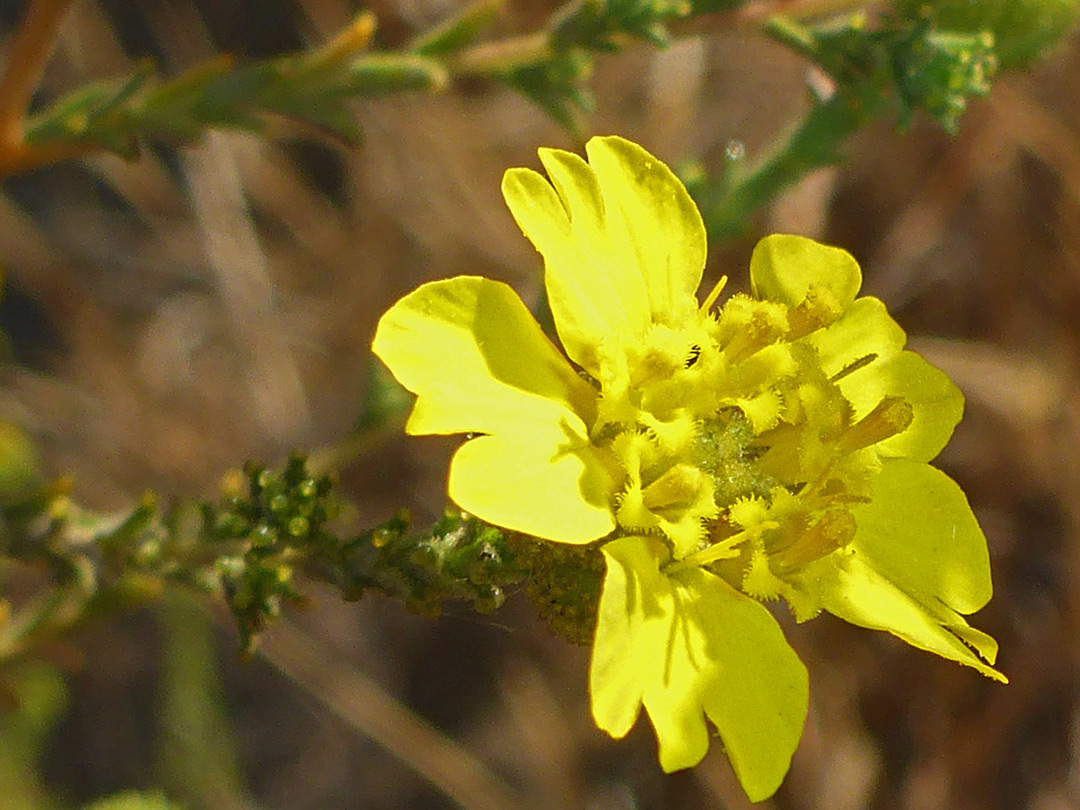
(898, 67)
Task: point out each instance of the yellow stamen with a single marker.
(711, 298)
(724, 550)
(678, 486)
(833, 531)
(891, 416)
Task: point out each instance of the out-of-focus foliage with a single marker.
(134, 801)
(314, 88)
(1022, 29)
(37, 697)
(891, 67)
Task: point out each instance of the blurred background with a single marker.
(172, 317)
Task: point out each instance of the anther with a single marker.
(891, 416)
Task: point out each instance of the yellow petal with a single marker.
(688, 646)
(936, 404)
(784, 267)
(589, 299)
(864, 352)
(478, 361)
(854, 591)
(623, 243)
(647, 202)
(546, 481)
(865, 333)
(919, 533)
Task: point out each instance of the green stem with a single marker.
(813, 144)
(491, 58)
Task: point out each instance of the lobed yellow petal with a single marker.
(855, 592)
(479, 362)
(648, 204)
(918, 561)
(623, 243)
(918, 531)
(590, 299)
(864, 350)
(688, 646)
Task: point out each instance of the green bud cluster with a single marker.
(563, 584)
(937, 71)
(461, 558)
(906, 64)
(271, 527)
(273, 524)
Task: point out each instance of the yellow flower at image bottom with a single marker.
(720, 453)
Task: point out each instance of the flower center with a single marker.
(735, 446)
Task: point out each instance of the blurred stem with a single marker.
(197, 753)
(29, 53)
(502, 55)
(21, 628)
(367, 708)
(757, 12)
(332, 458)
(813, 144)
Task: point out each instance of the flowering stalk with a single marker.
(717, 455)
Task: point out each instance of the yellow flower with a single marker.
(774, 446)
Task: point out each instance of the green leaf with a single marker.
(94, 113)
(688, 646)
(383, 73)
(458, 31)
